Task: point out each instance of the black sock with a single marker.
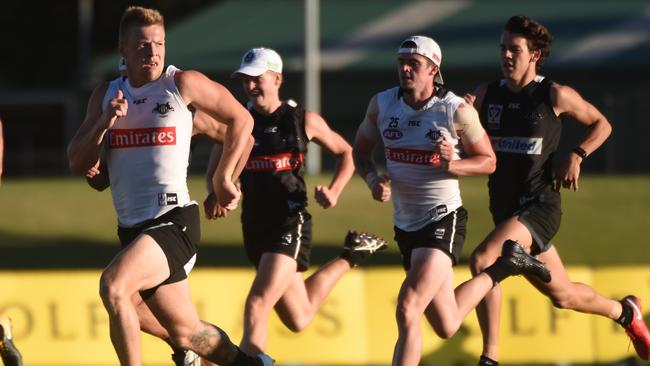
(498, 271)
(486, 361)
(627, 314)
(242, 359)
(10, 355)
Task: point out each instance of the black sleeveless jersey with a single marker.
(272, 182)
(525, 133)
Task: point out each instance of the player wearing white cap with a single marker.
(423, 127)
(275, 220)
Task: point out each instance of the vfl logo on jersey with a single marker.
(494, 116)
(517, 145)
(412, 156)
(139, 101)
(165, 199)
(275, 163)
(162, 109)
(434, 136)
(392, 134)
(139, 137)
(272, 129)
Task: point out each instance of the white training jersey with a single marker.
(148, 149)
(422, 192)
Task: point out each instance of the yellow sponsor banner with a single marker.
(533, 330)
(59, 320)
(58, 317)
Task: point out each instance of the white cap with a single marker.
(426, 47)
(259, 60)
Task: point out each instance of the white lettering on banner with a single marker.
(517, 145)
(138, 137)
(413, 156)
(275, 163)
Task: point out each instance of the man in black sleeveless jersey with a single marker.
(275, 221)
(422, 126)
(158, 252)
(522, 113)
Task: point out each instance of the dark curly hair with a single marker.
(538, 37)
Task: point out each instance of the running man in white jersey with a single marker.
(423, 127)
(146, 122)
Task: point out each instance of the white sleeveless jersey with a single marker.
(422, 191)
(148, 149)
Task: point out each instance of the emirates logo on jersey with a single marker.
(139, 137)
(275, 163)
(412, 156)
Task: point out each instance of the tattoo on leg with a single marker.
(214, 344)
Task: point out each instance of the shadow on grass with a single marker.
(23, 252)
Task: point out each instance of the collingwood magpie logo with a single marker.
(434, 136)
(533, 117)
(162, 109)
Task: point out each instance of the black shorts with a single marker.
(177, 232)
(447, 234)
(288, 234)
(542, 216)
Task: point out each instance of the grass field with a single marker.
(61, 218)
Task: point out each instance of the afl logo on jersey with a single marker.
(392, 134)
(162, 109)
(494, 116)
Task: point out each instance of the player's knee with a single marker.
(180, 336)
(446, 329)
(406, 314)
(111, 291)
(297, 324)
(256, 305)
(480, 260)
(563, 299)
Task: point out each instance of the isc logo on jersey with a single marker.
(518, 145)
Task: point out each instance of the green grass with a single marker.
(603, 223)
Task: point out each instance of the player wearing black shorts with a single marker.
(275, 221)
(430, 137)
(145, 123)
(523, 114)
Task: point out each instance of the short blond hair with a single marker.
(139, 16)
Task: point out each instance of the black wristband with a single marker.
(580, 152)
